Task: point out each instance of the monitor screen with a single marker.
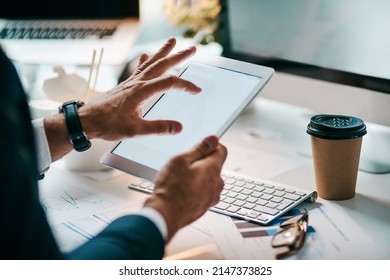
(340, 41)
(70, 9)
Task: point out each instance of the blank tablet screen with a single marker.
(224, 93)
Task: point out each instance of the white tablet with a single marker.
(228, 86)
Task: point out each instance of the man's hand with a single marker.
(117, 114)
(189, 184)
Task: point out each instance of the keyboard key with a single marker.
(249, 205)
(262, 218)
(249, 186)
(266, 210)
(229, 200)
(230, 181)
(251, 199)
(276, 199)
(258, 188)
(256, 194)
(232, 194)
(238, 178)
(239, 203)
(253, 214)
(272, 204)
(261, 201)
(222, 205)
(237, 189)
(292, 196)
(268, 191)
(279, 193)
(242, 196)
(239, 183)
(289, 191)
(233, 209)
(284, 204)
(228, 187)
(266, 196)
(300, 193)
(242, 212)
(246, 191)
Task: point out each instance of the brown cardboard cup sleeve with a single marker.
(336, 144)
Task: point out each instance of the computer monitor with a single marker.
(344, 42)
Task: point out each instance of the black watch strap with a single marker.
(77, 136)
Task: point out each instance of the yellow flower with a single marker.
(195, 15)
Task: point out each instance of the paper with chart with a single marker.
(77, 213)
(332, 234)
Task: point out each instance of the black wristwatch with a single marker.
(77, 136)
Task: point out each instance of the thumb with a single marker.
(160, 127)
(203, 149)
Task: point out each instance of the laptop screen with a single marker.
(70, 9)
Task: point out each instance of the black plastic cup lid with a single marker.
(336, 127)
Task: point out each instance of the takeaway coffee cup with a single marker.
(336, 143)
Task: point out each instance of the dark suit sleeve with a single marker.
(130, 237)
(24, 230)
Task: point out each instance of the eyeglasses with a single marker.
(292, 236)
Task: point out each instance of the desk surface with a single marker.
(281, 129)
(269, 131)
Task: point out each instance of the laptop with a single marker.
(67, 32)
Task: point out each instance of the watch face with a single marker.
(79, 103)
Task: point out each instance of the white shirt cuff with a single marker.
(42, 146)
(155, 216)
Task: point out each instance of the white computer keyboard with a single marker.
(250, 198)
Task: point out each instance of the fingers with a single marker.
(159, 67)
(162, 52)
(202, 150)
(217, 158)
(143, 57)
(163, 84)
(160, 62)
(219, 184)
(160, 127)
